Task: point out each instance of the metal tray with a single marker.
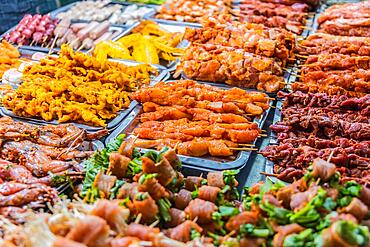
(113, 28)
(54, 13)
(154, 6)
(112, 124)
(163, 73)
(227, 86)
(169, 22)
(169, 27)
(269, 165)
(203, 164)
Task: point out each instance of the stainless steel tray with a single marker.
(112, 124)
(199, 163)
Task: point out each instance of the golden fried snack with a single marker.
(148, 43)
(76, 87)
(9, 57)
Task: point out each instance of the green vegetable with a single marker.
(145, 177)
(329, 204)
(134, 167)
(305, 238)
(114, 191)
(99, 161)
(195, 193)
(57, 179)
(92, 194)
(216, 238)
(194, 234)
(347, 192)
(217, 219)
(352, 233)
(281, 215)
(164, 205)
(309, 216)
(269, 186)
(228, 211)
(229, 177)
(156, 156)
(251, 230)
(326, 222)
(141, 196)
(124, 201)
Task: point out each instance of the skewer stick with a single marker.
(53, 44)
(269, 98)
(32, 42)
(307, 65)
(302, 56)
(154, 224)
(195, 219)
(43, 42)
(262, 135)
(81, 47)
(303, 46)
(307, 28)
(244, 149)
(330, 156)
(73, 42)
(246, 144)
(138, 218)
(269, 174)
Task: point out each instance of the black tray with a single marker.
(203, 164)
(112, 124)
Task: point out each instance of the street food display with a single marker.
(137, 198)
(9, 57)
(253, 38)
(103, 10)
(147, 43)
(192, 11)
(46, 32)
(327, 113)
(322, 43)
(34, 160)
(232, 66)
(246, 55)
(290, 16)
(33, 29)
(197, 119)
(320, 125)
(102, 145)
(76, 87)
(351, 19)
(83, 35)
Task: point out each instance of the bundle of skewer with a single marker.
(199, 119)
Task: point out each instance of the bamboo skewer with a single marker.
(302, 56)
(307, 28)
(246, 144)
(53, 44)
(269, 174)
